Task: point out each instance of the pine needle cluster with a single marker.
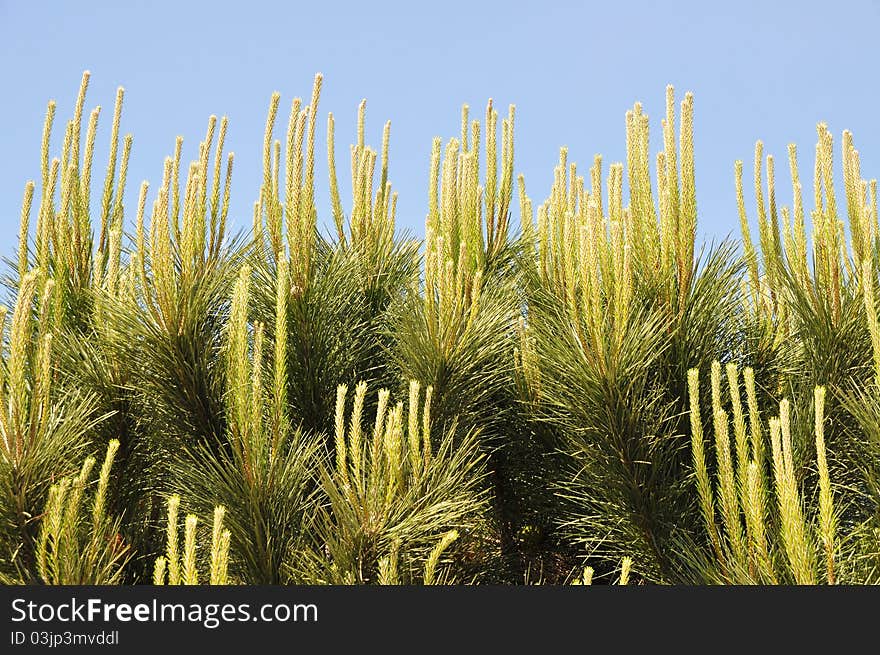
(499, 402)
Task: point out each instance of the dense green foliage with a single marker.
(490, 405)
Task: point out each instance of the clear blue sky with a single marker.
(768, 70)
